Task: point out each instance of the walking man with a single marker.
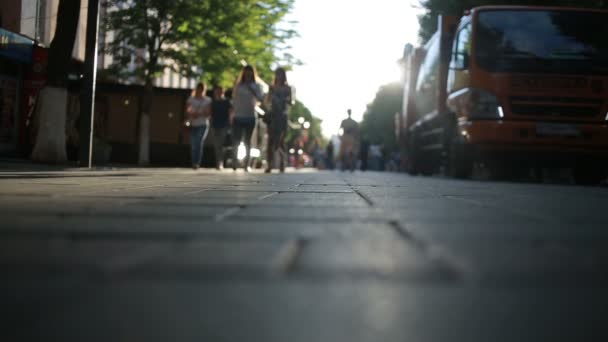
(221, 116)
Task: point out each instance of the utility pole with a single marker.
(87, 97)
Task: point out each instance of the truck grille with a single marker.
(556, 107)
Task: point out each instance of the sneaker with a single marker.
(247, 169)
(195, 167)
(267, 171)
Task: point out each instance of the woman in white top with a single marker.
(198, 110)
(245, 96)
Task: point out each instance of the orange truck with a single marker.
(510, 89)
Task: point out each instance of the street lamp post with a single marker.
(87, 97)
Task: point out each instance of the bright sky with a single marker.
(350, 48)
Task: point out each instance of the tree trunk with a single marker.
(144, 124)
(50, 146)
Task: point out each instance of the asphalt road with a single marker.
(178, 255)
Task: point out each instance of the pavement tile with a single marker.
(138, 310)
(173, 254)
(504, 254)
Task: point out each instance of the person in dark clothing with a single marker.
(228, 94)
(221, 112)
(349, 142)
(329, 151)
(364, 154)
(384, 159)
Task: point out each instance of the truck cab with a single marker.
(510, 87)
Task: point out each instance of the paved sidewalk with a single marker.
(178, 255)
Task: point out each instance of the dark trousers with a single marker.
(276, 140)
(219, 137)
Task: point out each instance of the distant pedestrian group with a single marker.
(235, 119)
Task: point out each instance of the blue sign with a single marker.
(16, 46)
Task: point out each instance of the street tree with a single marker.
(50, 145)
(195, 38)
(378, 124)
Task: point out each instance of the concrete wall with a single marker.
(116, 110)
(37, 19)
(120, 106)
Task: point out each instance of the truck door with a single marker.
(459, 75)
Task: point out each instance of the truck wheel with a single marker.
(411, 170)
(413, 159)
(459, 159)
(499, 171)
(427, 168)
(419, 162)
(423, 165)
(588, 174)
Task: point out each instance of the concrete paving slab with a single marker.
(172, 254)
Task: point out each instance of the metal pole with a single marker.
(87, 97)
(37, 21)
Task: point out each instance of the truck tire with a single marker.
(459, 159)
(412, 154)
(589, 174)
(419, 162)
(501, 172)
(423, 165)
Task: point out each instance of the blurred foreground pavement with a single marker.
(178, 255)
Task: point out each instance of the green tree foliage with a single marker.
(428, 21)
(378, 125)
(195, 38)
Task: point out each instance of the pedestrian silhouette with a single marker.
(198, 111)
(247, 93)
(277, 101)
(221, 111)
(349, 140)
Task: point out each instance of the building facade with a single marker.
(37, 19)
(27, 28)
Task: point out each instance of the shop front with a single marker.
(15, 59)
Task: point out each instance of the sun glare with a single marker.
(349, 56)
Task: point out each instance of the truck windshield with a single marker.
(542, 41)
